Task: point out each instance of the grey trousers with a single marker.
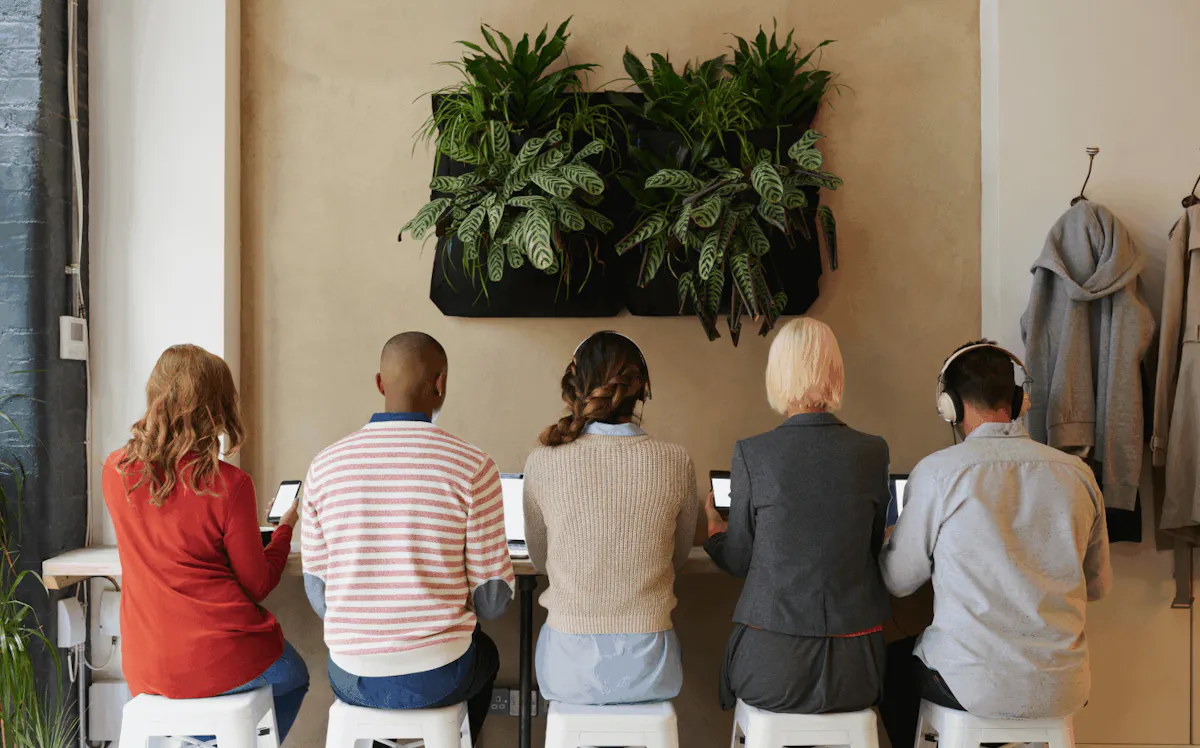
(801, 674)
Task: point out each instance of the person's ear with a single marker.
(379, 384)
(440, 383)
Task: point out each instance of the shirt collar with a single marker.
(813, 419)
(1011, 430)
(383, 417)
(596, 428)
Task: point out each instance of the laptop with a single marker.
(512, 485)
(898, 483)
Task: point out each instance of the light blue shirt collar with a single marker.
(1014, 429)
(596, 428)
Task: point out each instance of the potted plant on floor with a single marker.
(29, 717)
(734, 215)
(520, 154)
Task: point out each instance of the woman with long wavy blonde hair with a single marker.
(193, 565)
(610, 514)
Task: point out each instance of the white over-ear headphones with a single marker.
(950, 404)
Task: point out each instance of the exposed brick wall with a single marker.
(35, 247)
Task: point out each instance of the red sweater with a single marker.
(192, 574)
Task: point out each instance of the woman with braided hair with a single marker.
(610, 514)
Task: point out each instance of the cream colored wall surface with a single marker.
(1052, 86)
(332, 93)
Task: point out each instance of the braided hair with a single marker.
(603, 383)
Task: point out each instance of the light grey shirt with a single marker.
(1012, 533)
(609, 668)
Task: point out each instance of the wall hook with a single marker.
(1091, 152)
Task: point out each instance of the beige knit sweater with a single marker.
(610, 519)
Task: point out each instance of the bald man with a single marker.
(404, 548)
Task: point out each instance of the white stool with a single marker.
(763, 729)
(955, 729)
(244, 720)
(643, 725)
(439, 728)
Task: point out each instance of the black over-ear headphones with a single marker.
(641, 356)
(950, 404)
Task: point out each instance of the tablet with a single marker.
(720, 488)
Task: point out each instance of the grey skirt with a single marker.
(801, 674)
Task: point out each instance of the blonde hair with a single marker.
(191, 401)
(804, 367)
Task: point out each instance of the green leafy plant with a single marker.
(510, 89)
(784, 85)
(519, 207)
(718, 221)
(29, 717)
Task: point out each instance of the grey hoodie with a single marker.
(1086, 332)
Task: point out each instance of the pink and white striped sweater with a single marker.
(403, 523)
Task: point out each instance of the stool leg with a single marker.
(271, 739)
(237, 737)
(737, 733)
(666, 739)
(760, 736)
(444, 736)
(1064, 738)
(865, 735)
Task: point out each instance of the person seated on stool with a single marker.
(808, 504)
(404, 548)
(1012, 533)
(610, 514)
(193, 566)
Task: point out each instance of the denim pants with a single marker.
(288, 679)
(469, 678)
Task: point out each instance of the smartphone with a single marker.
(720, 489)
(284, 498)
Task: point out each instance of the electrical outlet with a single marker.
(514, 703)
(500, 701)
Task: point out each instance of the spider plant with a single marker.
(716, 225)
(509, 85)
(29, 717)
(784, 85)
(699, 103)
(518, 207)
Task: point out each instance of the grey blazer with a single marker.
(806, 523)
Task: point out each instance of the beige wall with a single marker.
(330, 174)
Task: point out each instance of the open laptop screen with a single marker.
(513, 487)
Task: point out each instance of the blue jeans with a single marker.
(288, 679)
(469, 678)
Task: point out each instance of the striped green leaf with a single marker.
(795, 199)
(674, 179)
(756, 238)
(656, 252)
(829, 232)
(739, 268)
(650, 226)
(552, 184)
(597, 219)
(767, 182)
(591, 149)
(686, 289)
(530, 201)
(805, 143)
(708, 254)
(707, 212)
(681, 225)
(444, 184)
(715, 285)
(495, 214)
(471, 251)
(584, 177)
(426, 217)
(569, 215)
(538, 248)
(495, 262)
(468, 230)
(773, 214)
(497, 137)
(810, 160)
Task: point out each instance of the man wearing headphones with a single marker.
(1012, 533)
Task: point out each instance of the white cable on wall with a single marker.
(79, 308)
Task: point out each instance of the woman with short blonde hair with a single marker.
(193, 566)
(806, 524)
